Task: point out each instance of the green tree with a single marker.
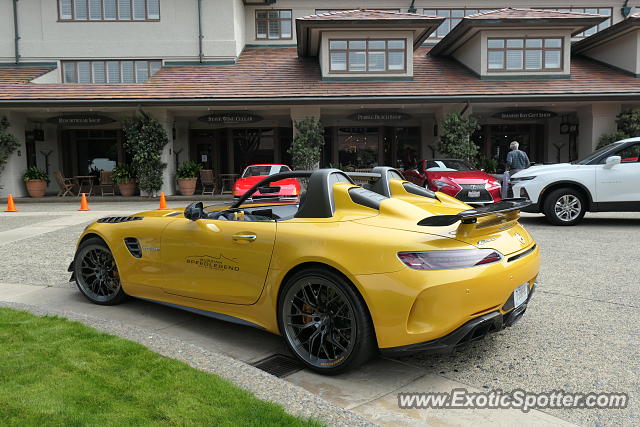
(455, 141)
(628, 123)
(8, 143)
(306, 148)
(144, 140)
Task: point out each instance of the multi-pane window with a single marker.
(606, 11)
(524, 54)
(109, 10)
(273, 24)
(109, 72)
(367, 56)
(452, 18)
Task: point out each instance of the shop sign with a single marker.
(379, 116)
(524, 115)
(230, 118)
(80, 120)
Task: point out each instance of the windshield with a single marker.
(447, 165)
(264, 170)
(595, 154)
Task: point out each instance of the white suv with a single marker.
(607, 180)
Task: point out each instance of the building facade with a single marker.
(228, 78)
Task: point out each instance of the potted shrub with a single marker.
(36, 181)
(187, 175)
(123, 176)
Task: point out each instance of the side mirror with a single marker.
(269, 189)
(612, 161)
(194, 211)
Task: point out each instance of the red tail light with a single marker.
(448, 260)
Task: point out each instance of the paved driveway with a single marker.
(579, 334)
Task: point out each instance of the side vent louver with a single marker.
(134, 246)
(117, 219)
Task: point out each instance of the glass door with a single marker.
(252, 146)
(358, 147)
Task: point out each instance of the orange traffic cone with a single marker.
(163, 201)
(84, 205)
(11, 207)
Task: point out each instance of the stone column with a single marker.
(595, 120)
(11, 178)
(427, 138)
(165, 118)
(302, 112)
(440, 113)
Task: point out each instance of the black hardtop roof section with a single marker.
(317, 201)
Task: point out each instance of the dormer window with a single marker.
(515, 43)
(364, 44)
(520, 54)
(370, 56)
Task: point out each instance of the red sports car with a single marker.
(289, 187)
(456, 178)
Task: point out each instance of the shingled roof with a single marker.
(308, 28)
(367, 15)
(514, 18)
(521, 13)
(611, 33)
(278, 75)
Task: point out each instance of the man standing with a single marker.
(516, 161)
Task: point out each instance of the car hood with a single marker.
(462, 177)
(250, 181)
(535, 170)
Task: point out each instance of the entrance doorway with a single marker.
(358, 147)
(208, 148)
(253, 146)
(367, 147)
(494, 140)
(88, 151)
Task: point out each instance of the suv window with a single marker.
(629, 154)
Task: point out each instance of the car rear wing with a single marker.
(483, 220)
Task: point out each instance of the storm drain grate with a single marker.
(279, 365)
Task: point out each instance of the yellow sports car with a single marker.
(342, 273)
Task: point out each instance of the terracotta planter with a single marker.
(36, 187)
(127, 189)
(187, 186)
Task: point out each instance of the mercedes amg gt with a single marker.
(342, 273)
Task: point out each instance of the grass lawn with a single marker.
(57, 372)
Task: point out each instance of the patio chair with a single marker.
(66, 184)
(208, 181)
(106, 182)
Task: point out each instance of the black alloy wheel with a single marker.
(324, 322)
(97, 273)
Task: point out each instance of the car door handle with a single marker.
(245, 237)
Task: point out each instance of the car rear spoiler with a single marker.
(483, 218)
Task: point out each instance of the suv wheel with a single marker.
(564, 206)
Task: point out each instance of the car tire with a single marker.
(329, 334)
(564, 206)
(96, 273)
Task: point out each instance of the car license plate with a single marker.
(520, 294)
(473, 194)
